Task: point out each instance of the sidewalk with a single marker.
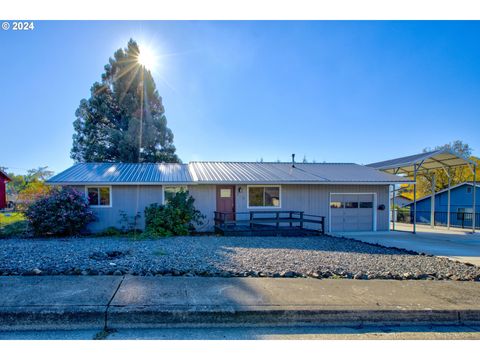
(76, 302)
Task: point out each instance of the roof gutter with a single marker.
(236, 183)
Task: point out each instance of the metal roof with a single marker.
(281, 173)
(223, 172)
(444, 190)
(426, 161)
(123, 173)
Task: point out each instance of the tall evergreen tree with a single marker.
(124, 118)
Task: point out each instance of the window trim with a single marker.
(166, 186)
(100, 186)
(265, 207)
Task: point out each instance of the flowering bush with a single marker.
(177, 217)
(64, 211)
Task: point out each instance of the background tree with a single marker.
(25, 189)
(40, 174)
(124, 118)
(458, 174)
(17, 184)
(32, 192)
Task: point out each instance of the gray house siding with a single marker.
(315, 199)
(312, 199)
(205, 202)
(127, 198)
(134, 198)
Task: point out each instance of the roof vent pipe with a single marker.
(293, 160)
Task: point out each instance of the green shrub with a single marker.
(63, 211)
(177, 217)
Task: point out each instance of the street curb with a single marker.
(87, 317)
(52, 318)
(148, 317)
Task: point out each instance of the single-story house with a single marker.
(461, 206)
(351, 197)
(3, 189)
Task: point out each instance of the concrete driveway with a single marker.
(455, 244)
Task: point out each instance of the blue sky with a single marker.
(332, 91)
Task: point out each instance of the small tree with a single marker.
(177, 217)
(64, 211)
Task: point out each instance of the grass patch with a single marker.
(10, 218)
(110, 231)
(13, 224)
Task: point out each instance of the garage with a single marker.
(352, 212)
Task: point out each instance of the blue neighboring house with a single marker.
(461, 206)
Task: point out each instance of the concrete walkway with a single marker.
(454, 244)
(76, 302)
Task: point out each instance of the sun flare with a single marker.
(147, 57)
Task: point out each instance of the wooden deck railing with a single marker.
(272, 218)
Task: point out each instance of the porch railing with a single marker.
(273, 218)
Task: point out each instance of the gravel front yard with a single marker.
(224, 256)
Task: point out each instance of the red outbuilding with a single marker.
(3, 191)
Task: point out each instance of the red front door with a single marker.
(226, 199)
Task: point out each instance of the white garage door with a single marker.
(351, 212)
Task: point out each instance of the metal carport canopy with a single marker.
(422, 164)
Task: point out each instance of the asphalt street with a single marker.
(257, 333)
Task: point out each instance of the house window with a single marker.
(169, 192)
(366, 205)
(469, 189)
(336, 204)
(225, 193)
(351, 205)
(99, 196)
(264, 196)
